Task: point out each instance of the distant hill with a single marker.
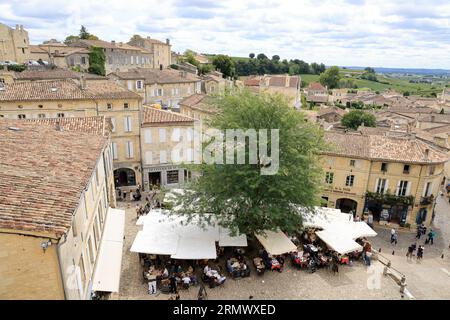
(406, 70)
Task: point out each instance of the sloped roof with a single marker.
(44, 172)
(63, 90)
(55, 74)
(152, 76)
(201, 102)
(316, 86)
(157, 116)
(382, 148)
(94, 124)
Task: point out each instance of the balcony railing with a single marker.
(426, 200)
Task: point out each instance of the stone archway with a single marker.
(124, 177)
(346, 205)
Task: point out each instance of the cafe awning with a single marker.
(195, 249)
(340, 243)
(160, 243)
(276, 243)
(109, 259)
(226, 240)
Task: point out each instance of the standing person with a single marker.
(173, 285)
(411, 250)
(370, 220)
(431, 236)
(152, 286)
(420, 252)
(368, 258)
(202, 295)
(393, 236)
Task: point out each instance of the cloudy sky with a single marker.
(378, 33)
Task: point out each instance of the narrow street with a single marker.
(429, 278)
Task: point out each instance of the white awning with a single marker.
(276, 243)
(340, 243)
(161, 243)
(226, 240)
(195, 249)
(109, 259)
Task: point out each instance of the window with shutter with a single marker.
(162, 156)
(148, 135)
(130, 153)
(148, 157)
(114, 151)
(176, 134)
(113, 123)
(162, 135)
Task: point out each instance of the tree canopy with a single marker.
(237, 194)
(224, 64)
(97, 61)
(263, 65)
(330, 78)
(355, 118)
(83, 34)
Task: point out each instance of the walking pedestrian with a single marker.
(431, 236)
(368, 258)
(173, 285)
(411, 250)
(420, 252)
(419, 231)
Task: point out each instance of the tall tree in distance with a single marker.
(237, 195)
(224, 64)
(330, 78)
(355, 118)
(251, 55)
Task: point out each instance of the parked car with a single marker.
(8, 63)
(32, 63)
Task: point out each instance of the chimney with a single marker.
(433, 118)
(427, 153)
(17, 27)
(83, 82)
(160, 67)
(148, 38)
(113, 42)
(167, 41)
(21, 27)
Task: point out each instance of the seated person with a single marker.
(186, 281)
(280, 259)
(229, 266)
(206, 269)
(165, 273)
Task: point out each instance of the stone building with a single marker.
(164, 87)
(215, 83)
(284, 84)
(69, 98)
(56, 212)
(119, 56)
(160, 51)
(167, 142)
(61, 55)
(199, 107)
(316, 93)
(14, 44)
(397, 178)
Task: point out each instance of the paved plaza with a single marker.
(427, 279)
(352, 282)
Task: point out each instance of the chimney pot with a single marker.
(167, 41)
(113, 42)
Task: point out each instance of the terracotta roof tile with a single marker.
(378, 147)
(316, 86)
(152, 116)
(63, 90)
(55, 74)
(152, 76)
(43, 173)
(94, 125)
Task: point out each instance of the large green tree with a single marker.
(97, 61)
(355, 118)
(224, 64)
(330, 78)
(238, 195)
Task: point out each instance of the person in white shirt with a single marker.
(206, 269)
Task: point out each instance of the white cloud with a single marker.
(352, 32)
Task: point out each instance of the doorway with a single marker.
(346, 205)
(154, 178)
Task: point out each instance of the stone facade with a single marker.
(123, 112)
(14, 44)
(167, 142)
(160, 51)
(348, 179)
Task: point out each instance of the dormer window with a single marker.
(125, 105)
(20, 106)
(406, 169)
(109, 106)
(40, 106)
